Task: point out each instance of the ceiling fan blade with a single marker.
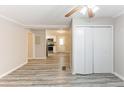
(90, 12)
(74, 10)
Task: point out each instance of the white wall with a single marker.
(92, 21)
(119, 46)
(13, 45)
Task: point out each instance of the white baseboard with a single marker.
(12, 70)
(37, 58)
(118, 75)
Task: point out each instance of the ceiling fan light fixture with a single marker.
(86, 9)
(95, 9)
(83, 10)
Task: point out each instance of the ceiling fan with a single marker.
(90, 9)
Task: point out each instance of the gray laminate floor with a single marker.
(47, 73)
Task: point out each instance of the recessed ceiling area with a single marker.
(52, 15)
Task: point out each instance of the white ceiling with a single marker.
(37, 15)
(34, 15)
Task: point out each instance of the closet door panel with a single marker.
(88, 51)
(103, 50)
(78, 51)
(82, 50)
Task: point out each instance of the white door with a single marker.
(92, 50)
(78, 51)
(88, 50)
(82, 51)
(103, 39)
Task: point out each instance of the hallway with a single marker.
(49, 73)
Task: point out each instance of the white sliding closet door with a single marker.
(82, 51)
(103, 48)
(78, 51)
(92, 50)
(88, 51)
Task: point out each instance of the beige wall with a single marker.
(30, 45)
(66, 35)
(13, 46)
